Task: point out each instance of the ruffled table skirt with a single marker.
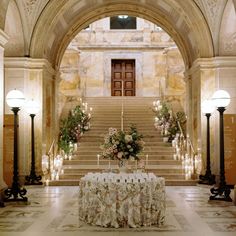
(113, 203)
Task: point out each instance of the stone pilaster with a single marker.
(3, 41)
(207, 76)
(35, 78)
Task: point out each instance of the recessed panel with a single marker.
(128, 92)
(128, 85)
(117, 84)
(128, 75)
(117, 75)
(117, 93)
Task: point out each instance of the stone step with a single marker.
(75, 182)
(78, 169)
(142, 157)
(114, 162)
(77, 176)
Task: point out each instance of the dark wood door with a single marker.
(123, 70)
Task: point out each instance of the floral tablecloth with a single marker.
(122, 200)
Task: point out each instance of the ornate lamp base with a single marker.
(221, 193)
(208, 179)
(32, 179)
(15, 194)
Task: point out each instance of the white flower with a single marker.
(131, 158)
(119, 155)
(128, 138)
(112, 131)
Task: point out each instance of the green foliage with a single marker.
(168, 121)
(71, 128)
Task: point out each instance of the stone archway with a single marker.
(59, 23)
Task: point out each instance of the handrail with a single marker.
(51, 147)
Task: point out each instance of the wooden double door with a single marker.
(123, 78)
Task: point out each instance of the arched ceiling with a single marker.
(3, 12)
(59, 21)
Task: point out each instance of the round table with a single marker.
(122, 200)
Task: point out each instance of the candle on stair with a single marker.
(146, 159)
(98, 159)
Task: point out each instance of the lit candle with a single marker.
(98, 157)
(70, 157)
(57, 177)
(52, 176)
(75, 147)
(90, 108)
(175, 156)
(146, 159)
(47, 182)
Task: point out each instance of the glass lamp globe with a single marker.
(208, 106)
(221, 98)
(15, 98)
(32, 107)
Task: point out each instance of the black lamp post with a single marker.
(208, 178)
(32, 108)
(15, 99)
(222, 192)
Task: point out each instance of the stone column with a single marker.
(3, 41)
(35, 78)
(207, 76)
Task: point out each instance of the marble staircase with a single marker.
(107, 113)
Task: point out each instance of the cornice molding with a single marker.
(28, 63)
(211, 63)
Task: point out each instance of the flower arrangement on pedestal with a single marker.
(72, 128)
(121, 145)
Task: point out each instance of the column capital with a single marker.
(211, 63)
(28, 63)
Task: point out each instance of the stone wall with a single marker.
(86, 65)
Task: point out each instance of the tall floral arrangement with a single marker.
(167, 121)
(72, 127)
(120, 145)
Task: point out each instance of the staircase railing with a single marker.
(185, 152)
(51, 163)
(182, 144)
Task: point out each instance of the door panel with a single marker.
(123, 70)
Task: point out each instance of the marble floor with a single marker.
(53, 211)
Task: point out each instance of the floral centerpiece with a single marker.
(120, 145)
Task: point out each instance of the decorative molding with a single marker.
(28, 63)
(211, 63)
(29, 6)
(3, 38)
